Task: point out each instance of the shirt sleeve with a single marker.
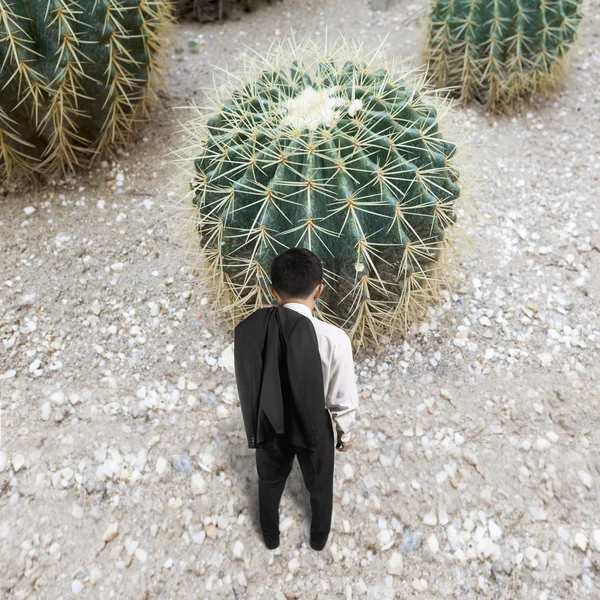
(342, 395)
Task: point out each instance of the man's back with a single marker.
(335, 349)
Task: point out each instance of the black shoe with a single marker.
(271, 542)
(318, 542)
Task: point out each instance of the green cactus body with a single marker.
(75, 75)
(496, 51)
(344, 160)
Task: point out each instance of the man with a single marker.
(294, 373)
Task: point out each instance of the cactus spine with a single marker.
(75, 76)
(496, 51)
(337, 155)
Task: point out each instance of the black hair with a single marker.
(296, 272)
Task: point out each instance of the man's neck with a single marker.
(310, 305)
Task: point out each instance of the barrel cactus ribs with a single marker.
(497, 51)
(340, 155)
(75, 76)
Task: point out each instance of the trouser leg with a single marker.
(273, 465)
(317, 471)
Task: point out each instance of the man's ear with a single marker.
(273, 292)
(318, 291)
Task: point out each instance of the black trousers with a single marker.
(274, 462)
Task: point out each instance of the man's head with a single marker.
(296, 275)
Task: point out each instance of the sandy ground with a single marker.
(475, 472)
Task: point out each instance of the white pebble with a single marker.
(29, 210)
(586, 479)
(430, 519)
(596, 539)
(161, 465)
(395, 565)
(539, 514)
(198, 484)
(433, 544)
(111, 533)
(141, 555)
(46, 410)
(384, 537)
(495, 531)
(95, 575)
(76, 586)
(238, 549)
(17, 462)
(541, 444)
(581, 541)
(348, 472)
(58, 398)
(294, 566)
(3, 460)
(469, 457)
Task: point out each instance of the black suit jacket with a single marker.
(279, 377)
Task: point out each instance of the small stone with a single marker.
(348, 472)
(58, 398)
(453, 538)
(211, 531)
(29, 210)
(17, 462)
(294, 566)
(3, 460)
(198, 484)
(384, 537)
(433, 544)
(445, 394)
(77, 511)
(495, 531)
(581, 541)
(541, 444)
(539, 514)
(469, 457)
(410, 542)
(95, 575)
(76, 586)
(596, 539)
(46, 410)
(181, 463)
(238, 549)
(395, 565)
(141, 555)
(141, 460)
(430, 519)
(586, 479)
(161, 465)
(530, 553)
(116, 267)
(111, 533)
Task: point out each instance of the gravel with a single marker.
(124, 470)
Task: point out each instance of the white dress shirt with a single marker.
(335, 349)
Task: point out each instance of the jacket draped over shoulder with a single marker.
(279, 377)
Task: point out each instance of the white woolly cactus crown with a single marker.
(333, 150)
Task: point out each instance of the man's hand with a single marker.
(343, 446)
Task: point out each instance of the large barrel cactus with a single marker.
(75, 75)
(337, 155)
(496, 51)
